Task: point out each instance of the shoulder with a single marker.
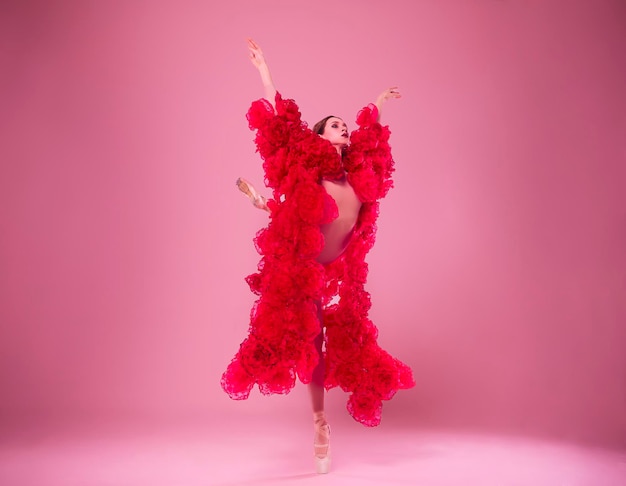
(261, 112)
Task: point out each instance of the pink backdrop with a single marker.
(499, 271)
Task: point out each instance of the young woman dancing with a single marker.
(311, 318)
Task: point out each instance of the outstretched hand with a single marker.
(389, 93)
(258, 61)
(256, 54)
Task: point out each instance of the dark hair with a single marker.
(320, 126)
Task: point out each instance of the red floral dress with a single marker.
(290, 282)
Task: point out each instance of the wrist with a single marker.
(263, 69)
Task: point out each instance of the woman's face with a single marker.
(336, 132)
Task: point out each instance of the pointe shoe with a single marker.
(321, 445)
(257, 200)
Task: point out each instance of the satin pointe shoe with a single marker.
(257, 200)
(321, 445)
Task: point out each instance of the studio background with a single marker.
(499, 269)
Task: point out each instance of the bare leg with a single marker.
(316, 387)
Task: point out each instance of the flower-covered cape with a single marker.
(290, 282)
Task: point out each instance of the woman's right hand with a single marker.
(258, 61)
(256, 54)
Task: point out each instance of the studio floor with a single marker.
(229, 451)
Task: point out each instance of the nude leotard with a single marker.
(337, 233)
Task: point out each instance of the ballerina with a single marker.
(326, 183)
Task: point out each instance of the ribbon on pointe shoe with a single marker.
(321, 443)
(247, 188)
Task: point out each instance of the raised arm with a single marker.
(389, 93)
(258, 61)
(369, 162)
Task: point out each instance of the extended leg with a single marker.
(248, 189)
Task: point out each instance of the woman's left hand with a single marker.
(389, 93)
